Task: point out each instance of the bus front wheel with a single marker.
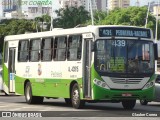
(68, 101)
(30, 99)
(75, 97)
(143, 102)
(128, 104)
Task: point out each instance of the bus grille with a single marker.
(126, 80)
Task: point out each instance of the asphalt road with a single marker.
(58, 108)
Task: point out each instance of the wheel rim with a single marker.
(28, 93)
(142, 101)
(75, 96)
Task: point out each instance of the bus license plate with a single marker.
(126, 94)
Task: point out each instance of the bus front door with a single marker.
(87, 68)
(11, 70)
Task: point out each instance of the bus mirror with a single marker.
(156, 51)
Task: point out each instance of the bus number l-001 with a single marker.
(73, 69)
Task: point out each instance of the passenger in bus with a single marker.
(73, 50)
(105, 60)
(146, 55)
(133, 66)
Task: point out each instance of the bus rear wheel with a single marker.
(128, 104)
(30, 99)
(75, 97)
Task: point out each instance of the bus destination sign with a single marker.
(124, 32)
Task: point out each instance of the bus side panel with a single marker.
(94, 75)
(51, 83)
(19, 85)
(5, 78)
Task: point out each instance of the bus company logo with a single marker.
(126, 81)
(6, 114)
(27, 2)
(27, 69)
(39, 69)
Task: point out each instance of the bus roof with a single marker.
(61, 32)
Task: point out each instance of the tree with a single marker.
(13, 27)
(135, 16)
(71, 17)
(41, 20)
(98, 16)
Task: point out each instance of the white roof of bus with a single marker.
(60, 31)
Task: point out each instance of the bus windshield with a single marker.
(124, 56)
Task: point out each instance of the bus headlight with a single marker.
(101, 83)
(148, 85)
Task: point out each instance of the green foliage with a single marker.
(134, 16)
(71, 17)
(14, 27)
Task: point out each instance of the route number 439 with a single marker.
(119, 43)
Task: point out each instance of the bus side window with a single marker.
(54, 48)
(35, 46)
(6, 52)
(23, 52)
(46, 51)
(60, 51)
(74, 47)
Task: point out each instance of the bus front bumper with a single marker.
(101, 93)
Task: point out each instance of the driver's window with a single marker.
(145, 52)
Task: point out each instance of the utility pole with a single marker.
(51, 27)
(147, 14)
(156, 36)
(91, 10)
(19, 8)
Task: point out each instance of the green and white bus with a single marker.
(87, 64)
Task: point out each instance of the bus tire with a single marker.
(68, 101)
(30, 99)
(75, 97)
(143, 102)
(5, 94)
(128, 104)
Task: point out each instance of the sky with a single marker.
(142, 2)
